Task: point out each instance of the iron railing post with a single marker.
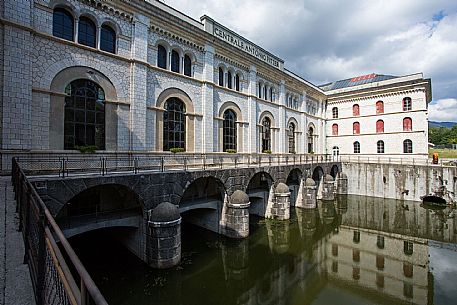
(41, 263)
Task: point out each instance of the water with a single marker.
(356, 250)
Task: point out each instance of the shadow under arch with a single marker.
(57, 104)
(189, 113)
(258, 190)
(334, 171)
(293, 182)
(202, 202)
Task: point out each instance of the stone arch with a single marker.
(190, 124)
(83, 12)
(239, 118)
(293, 181)
(113, 24)
(57, 104)
(318, 177)
(53, 4)
(258, 190)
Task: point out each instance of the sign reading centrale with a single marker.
(245, 46)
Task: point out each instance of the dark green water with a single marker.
(356, 250)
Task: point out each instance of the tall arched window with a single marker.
(271, 94)
(229, 80)
(407, 124)
(408, 146)
(310, 140)
(380, 126)
(266, 135)
(356, 110)
(221, 76)
(380, 147)
(63, 24)
(86, 32)
(356, 128)
(174, 124)
(379, 107)
(229, 132)
(335, 112)
(237, 82)
(356, 147)
(265, 92)
(161, 57)
(291, 136)
(175, 61)
(107, 39)
(260, 90)
(407, 104)
(335, 129)
(187, 65)
(84, 119)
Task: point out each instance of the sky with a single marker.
(329, 40)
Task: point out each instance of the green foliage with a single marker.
(177, 150)
(267, 151)
(443, 136)
(231, 151)
(87, 149)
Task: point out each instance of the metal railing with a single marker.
(136, 163)
(425, 161)
(50, 267)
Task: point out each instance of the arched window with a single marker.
(107, 39)
(265, 92)
(86, 32)
(174, 124)
(175, 61)
(63, 24)
(408, 247)
(356, 147)
(335, 129)
(229, 80)
(237, 82)
(84, 118)
(407, 146)
(335, 112)
(291, 136)
(356, 110)
(229, 132)
(271, 94)
(161, 57)
(407, 104)
(187, 65)
(379, 107)
(310, 140)
(407, 124)
(221, 76)
(379, 126)
(380, 147)
(266, 135)
(356, 128)
(260, 90)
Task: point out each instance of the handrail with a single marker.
(47, 264)
(136, 163)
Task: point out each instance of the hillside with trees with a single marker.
(442, 136)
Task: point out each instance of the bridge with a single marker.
(144, 198)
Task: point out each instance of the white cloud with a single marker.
(327, 40)
(444, 110)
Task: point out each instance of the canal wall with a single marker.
(402, 182)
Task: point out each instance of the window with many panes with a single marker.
(356, 147)
(84, 118)
(291, 136)
(107, 39)
(407, 104)
(335, 112)
(408, 146)
(174, 124)
(86, 32)
(63, 24)
(380, 147)
(229, 130)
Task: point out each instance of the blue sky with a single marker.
(327, 40)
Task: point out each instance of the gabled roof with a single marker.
(356, 81)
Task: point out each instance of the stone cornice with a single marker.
(104, 5)
(176, 38)
(231, 61)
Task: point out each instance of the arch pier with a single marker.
(145, 211)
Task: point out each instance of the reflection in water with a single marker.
(355, 250)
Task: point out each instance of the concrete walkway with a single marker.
(15, 284)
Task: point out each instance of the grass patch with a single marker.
(443, 153)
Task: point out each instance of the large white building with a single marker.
(139, 75)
